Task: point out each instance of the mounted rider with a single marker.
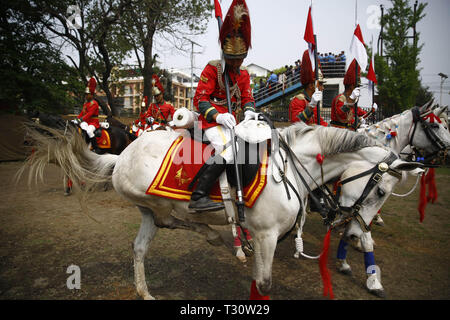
(303, 107)
(160, 112)
(342, 107)
(210, 100)
(88, 117)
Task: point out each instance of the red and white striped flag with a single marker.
(309, 36)
(358, 49)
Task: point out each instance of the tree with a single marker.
(34, 75)
(397, 70)
(171, 20)
(97, 40)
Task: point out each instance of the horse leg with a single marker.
(265, 244)
(373, 282)
(212, 236)
(341, 262)
(67, 186)
(145, 235)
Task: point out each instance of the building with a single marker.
(257, 71)
(130, 88)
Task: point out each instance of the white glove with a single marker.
(355, 94)
(375, 106)
(76, 121)
(316, 97)
(149, 120)
(226, 119)
(249, 115)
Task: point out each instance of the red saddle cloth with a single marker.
(184, 159)
(104, 141)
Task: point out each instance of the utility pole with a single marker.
(191, 91)
(443, 77)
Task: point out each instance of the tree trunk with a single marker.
(147, 71)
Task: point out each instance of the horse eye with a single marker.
(381, 192)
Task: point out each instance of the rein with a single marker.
(376, 173)
(441, 153)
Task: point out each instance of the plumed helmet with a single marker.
(157, 86)
(306, 70)
(235, 33)
(92, 84)
(350, 75)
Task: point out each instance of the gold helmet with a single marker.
(235, 33)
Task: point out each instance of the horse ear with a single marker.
(425, 107)
(406, 165)
(439, 110)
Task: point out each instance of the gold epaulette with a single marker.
(215, 63)
(300, 96)
(342, 98)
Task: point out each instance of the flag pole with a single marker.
(316, 73)
(239, 193)
(355, 123)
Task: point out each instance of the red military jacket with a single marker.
(89, 113)
(298, 105)
(339, 117)
(160, 112)
(210, 96)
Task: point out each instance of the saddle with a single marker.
(185, 160)
(103, 138)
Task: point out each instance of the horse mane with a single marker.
(331, 140)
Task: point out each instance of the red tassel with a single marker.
(324, 272)
(431, 182)
(422, 198)
(254, 294)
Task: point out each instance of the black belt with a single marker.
(341, 124)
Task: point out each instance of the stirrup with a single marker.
(205, 204)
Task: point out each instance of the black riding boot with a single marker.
(200, 201)
(94, 145)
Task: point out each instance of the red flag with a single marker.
(309, 32)
(371, 74)
(218, 9)
(309, 35)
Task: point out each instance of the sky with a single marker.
(278, 28)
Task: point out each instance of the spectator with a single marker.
(282, 81)
(331, 58)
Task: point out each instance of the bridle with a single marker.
(428, 158)
(329, 203)
(376, 172)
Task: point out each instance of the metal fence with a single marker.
(282, 115)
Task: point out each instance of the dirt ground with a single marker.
(43, 232)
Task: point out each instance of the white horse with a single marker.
(399, 132)
(272, 216)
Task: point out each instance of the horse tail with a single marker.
(69, 151)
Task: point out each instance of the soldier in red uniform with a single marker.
(342, 107)
(210, 100)
(88, 117)
(304, 105)
(160, 112)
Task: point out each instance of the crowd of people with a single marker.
(290, 74)
(329, 57)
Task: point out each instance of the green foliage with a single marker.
(34, 77)
(397, 71)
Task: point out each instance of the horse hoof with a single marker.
(248, 251)
(239, 254)
(378, 293)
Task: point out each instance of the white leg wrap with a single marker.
(373, 283)
(367, 242)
